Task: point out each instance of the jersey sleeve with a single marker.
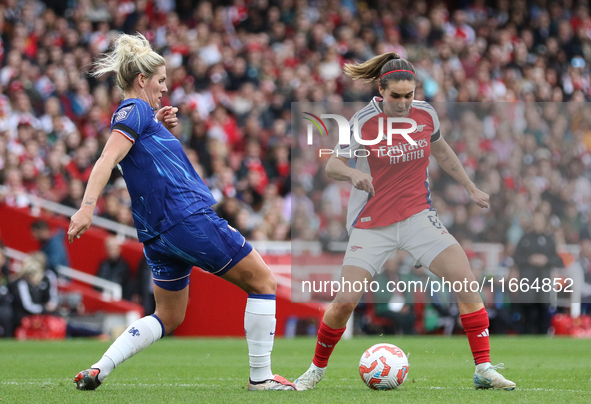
(130, 121)
(436, 135)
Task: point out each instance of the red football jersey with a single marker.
(399, 171)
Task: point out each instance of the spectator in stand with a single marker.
(145, 288)
(35, 290)
(52, 245)
(535, 256)
(75, 192)
(114, 268)
(53, 112)
(57, 174)
(81, 165)
(15, 193)
(396, 306)
(6, 297)
(580, 271)
(228, 209)
(111, 206)
(333, 235)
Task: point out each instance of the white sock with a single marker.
(138, 336)
(313, 366)
(259, 327)
(482, 366)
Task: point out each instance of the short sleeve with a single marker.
(436, 135)
(130, 121)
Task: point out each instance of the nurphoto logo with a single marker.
(345, 129)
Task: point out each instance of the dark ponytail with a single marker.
(376, 69)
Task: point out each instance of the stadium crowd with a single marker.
(234, 68)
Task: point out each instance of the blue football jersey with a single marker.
(163, 185)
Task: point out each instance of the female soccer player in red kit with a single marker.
(390, 209)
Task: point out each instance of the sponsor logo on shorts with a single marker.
(356, 247)
(365, 219)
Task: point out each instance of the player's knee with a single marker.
(267, 285)
(176, 321)
(171, 321)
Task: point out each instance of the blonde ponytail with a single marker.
(131, 56)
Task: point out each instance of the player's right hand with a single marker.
(79, 223)
(362, 181)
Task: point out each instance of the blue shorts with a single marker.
(204, 240)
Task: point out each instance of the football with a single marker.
(383, 367)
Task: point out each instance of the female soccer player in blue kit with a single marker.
(172, 214)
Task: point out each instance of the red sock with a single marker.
(476, 327)
(327, 339)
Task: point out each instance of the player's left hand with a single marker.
(79, 223)
(479, 197)
(167, 115)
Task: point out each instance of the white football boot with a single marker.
(487, 377)
(310, 379)
(276, 383)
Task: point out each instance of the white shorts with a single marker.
(422, 235)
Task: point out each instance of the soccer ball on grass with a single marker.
(383, 367)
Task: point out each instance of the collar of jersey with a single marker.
(133, 99)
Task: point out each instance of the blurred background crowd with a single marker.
(234, 68)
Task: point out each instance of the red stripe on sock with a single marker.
(327, 339)
(476, 327)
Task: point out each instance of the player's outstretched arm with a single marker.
(337, 169)
(449, 161)
(115, 150)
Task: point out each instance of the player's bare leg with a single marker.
(453, 264)
(333, 325)
(170, 313)
(339, 311)
(253, 276)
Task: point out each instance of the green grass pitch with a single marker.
(176, 370)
